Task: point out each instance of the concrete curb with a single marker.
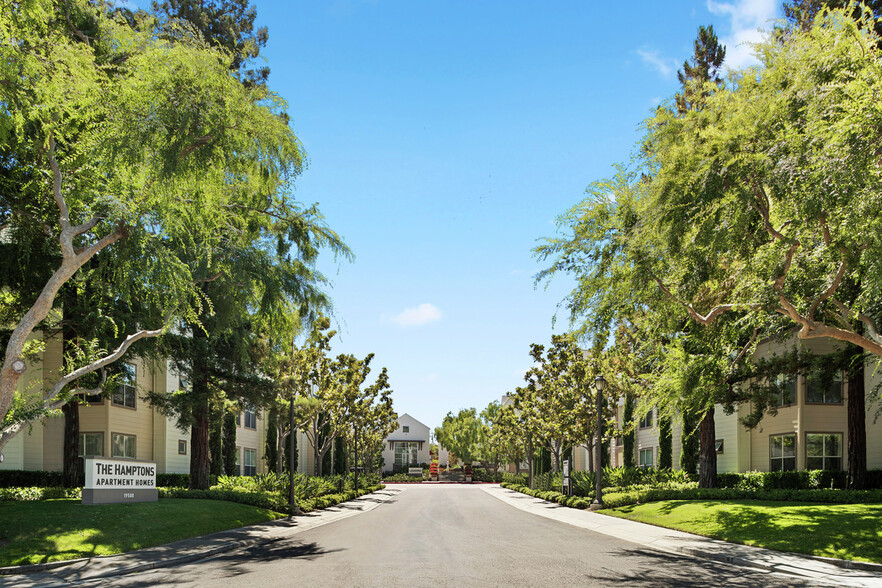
(233, 545)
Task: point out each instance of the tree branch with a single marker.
(704, 320)
(52, 401)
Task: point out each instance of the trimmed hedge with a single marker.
(618, 499)
(44, 479)
(38, 493)
(549, 495)
(638, 495)
(31, 478)
(270, 500)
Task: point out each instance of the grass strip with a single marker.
(54, 530)
(843, 531)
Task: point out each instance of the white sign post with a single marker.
(110, 481)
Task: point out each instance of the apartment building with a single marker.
(124, 425)
(809, 431)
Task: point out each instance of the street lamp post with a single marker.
(599, 384)
(292, 503)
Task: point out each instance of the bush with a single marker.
(173, 480)
(520, 479)
(270, 500)
(791, 480)
(28, 478)
(482, 475)
(401, 478)
(38, 493)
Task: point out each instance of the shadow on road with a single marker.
(657, 569)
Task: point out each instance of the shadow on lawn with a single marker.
(842, 531)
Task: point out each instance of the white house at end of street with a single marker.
(407, 446)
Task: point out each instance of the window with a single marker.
(823, 451)
(818, 391)
(182, 447)
(718, 445)
(125, 394)
(91, 445)
(782, 452)
(249, 462)
(123, 445)
(405, 429)
(250, 419)
(93, 398)
(619, 440)
(645, 458)
(646, 421)
(406, 453)
(786, 394)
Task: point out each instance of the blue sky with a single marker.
(443, 140)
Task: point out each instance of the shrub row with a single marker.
(38, 493)
(795, 480)
(270, 500)
(482, 475)
(550, 496)
(618, 497)
(27, 478)
(404, 478)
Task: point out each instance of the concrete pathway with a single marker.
(838, 572)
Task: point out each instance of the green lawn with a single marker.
(845, 531)
(52, 530)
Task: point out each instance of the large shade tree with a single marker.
(760, 208)
(149, 147)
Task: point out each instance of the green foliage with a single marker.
(461, 434)
(514, 479)
(625, 477)
(230, 455)
(17, 494)
(628, 452)
(270, 446)
(665, 443)
(689, 445)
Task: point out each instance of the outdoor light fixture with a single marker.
(600, 384)
(19, 366)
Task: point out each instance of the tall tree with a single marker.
(461, 434)
(156, 159)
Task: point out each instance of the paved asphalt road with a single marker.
(450, 535)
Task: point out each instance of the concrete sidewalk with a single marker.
(835, 572)
(187, 550)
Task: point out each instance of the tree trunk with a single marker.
(199, 460)
(530, 461)
(230, 452)
(71, 458)
(707, 460)
(200, 478)
(857, 417)
(555, 455)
